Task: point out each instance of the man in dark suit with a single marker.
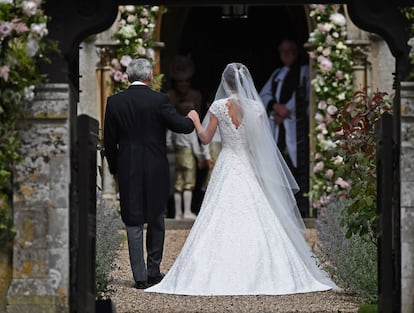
(136, 121)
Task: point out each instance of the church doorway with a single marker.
(213, 36)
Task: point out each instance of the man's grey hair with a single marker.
(139, 70)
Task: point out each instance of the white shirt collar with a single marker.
(137, 83)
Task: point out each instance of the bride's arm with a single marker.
(205, 134)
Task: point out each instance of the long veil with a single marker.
(273, 174)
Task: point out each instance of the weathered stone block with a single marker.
(51, 102)
(59, 181)
(407, 133)
(30, 263)
(32, 228)
(58, 228)
(407, 225)
(407, 195)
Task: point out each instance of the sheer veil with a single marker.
(273, 174)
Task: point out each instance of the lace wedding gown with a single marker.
(237, 245)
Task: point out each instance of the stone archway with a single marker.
(71, 23)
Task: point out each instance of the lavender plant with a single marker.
(352, 262)
(108, 240)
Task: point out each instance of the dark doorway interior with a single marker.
(212, 41)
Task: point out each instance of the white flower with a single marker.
(29, 8)
(340, 45)
(6, 1)
(322, 105)
(151, 54)
(338, 19)
(144, 21)
(32, 46)
(130, 8)
(318, 117)
(155, 8)
(341, 96)
(39, 29)
(141, 50)
(131, 18)
(328, 144)
(128, 31)
(338, 160)
(326, 52)
(29, 93)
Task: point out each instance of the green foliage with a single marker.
(108, 239)
(368, 308)
(409, 14)
(350, 260)
(23, 48)
(357, 148)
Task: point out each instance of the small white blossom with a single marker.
(29, 8)
(338, 19)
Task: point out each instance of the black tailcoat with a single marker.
(136, 121)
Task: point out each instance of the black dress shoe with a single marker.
(142, 284)
(155, 280)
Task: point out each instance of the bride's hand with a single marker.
(194, 116)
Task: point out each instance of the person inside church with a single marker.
(189, 155)
(285, 96)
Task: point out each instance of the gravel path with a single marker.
(130, 300)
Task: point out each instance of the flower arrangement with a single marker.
(333, 89)
(22, 31)
(135, 38)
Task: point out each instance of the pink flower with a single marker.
(329, 173)
(125, 60)
(329, 40)
(312, 54)
(6, 28)
(339, 75)
(20, 27)
(318, 167)
(4, 72)
(322, 105)
(325, 63)
(117, 76)
(332, 109)
(115, 63)
(342, 183)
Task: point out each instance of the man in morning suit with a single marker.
(136, 121)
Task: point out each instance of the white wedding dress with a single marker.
(237, 245)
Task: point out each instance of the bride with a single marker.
(249, 238)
